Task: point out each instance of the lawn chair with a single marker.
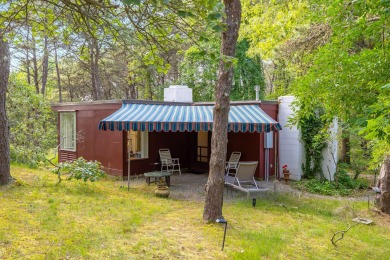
(244, 178)
(169, 164)
(232, 164)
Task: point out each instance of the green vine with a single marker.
(314, 138)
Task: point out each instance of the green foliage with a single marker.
(314, 139)
(377, 130)
(343, 185)
(32, 123)
(199, 71)
(344, 181)
(360, 154)
(346, 72)
(269, 24)
(248, 72)
(129, 2)
(80, 169)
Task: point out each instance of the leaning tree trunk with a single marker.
(5, 176)
(215, 182)
(383, 199)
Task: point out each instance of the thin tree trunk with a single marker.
(5, 174)
(35, 65)
(28, 54)
(94, 54)
(45, 66)
(70, 88)
(345, 150)
(383, 199)
(215, 182)
(58, 73)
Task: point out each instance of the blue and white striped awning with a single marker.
(157, 117)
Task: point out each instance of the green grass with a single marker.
(100, 220)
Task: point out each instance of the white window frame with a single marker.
(144, 145)
(67, 133)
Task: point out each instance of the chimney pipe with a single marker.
(257, 89)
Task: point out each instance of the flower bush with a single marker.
(80, 169)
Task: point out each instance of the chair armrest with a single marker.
(175, 160)
(232, 164)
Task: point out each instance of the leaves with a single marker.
(183, 13)
(80, 169)
(131, 2)
(214, 16)
(32, 123)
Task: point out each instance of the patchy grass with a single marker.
(78, 220)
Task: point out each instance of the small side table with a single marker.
(158, 175)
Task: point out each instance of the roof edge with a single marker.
(86, 103)
(134, 101)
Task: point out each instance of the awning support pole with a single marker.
(128, 169)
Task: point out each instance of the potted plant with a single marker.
(286, 173)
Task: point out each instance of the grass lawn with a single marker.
(78, 220)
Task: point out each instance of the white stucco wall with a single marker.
(178, 93)
(330, 153)
(291, 150)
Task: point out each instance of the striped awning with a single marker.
(157, 117)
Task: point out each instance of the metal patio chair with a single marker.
(169, 164)
(232, 164)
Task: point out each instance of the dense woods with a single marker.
(332, 55)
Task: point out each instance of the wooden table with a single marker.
(158, 175)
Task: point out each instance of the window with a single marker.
(138, 144)
(203, 147)
(68, 131)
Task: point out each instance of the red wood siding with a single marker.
(92, 144)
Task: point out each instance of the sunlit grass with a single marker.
(74, 220)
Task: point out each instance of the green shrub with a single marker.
(80, 169)
(343, 185)
(32, 124)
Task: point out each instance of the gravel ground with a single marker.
(190, 186)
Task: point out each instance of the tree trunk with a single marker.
(215, 182)
(345, 150)
(70, 88)
(28, 54)
(58, 73)
(383, 198)
(45, 66)
(35, 65)
(5, 175)
(94, 54)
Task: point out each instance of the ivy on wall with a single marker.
(314, 138)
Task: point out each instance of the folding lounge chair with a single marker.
(169, 164)
(244, 176)
(232, 164)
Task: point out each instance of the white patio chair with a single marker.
(232, 164)
(245, 176)
(168, 163)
